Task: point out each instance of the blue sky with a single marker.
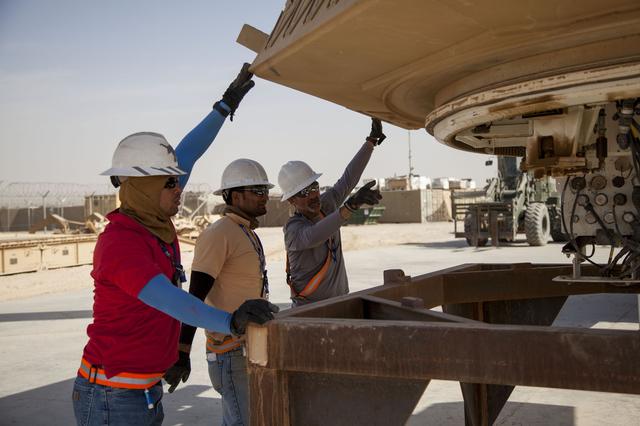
(78, 76)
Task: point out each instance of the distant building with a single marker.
(405, 183)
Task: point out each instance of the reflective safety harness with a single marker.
(227, 344)
(315, 281)
(121, 380)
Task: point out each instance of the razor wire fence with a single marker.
(25, 203)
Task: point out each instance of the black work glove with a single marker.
(376, 136)
(365, 195)
(236, 91)
(178, 371)
(255, 310)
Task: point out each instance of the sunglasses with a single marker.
(260, 191)
(172, 182)
(304, 193)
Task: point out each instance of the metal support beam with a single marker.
(472, 353)
(367, 357)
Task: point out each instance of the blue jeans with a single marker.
(95, 405)
(228, 374)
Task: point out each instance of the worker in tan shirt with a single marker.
(228, 269)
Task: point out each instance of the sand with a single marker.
(19, 286)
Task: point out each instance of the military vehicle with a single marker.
(514, 203)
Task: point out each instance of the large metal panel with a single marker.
(21, 259)
(495, 334)
(85, 252)
(60, 255)
(402, 60)
(48, 252)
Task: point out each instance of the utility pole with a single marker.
(44, 208)
(410, 164)
(90, 204)
(61, 202)
(29, 207)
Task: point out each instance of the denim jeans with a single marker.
(228, 374)
(95, 405)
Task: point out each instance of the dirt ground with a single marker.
(53, 322)
(354, 238)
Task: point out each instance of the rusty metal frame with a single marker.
(366, 358)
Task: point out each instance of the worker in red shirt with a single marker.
(138, 300)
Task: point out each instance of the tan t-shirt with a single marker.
(224, 251)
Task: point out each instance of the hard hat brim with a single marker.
(240, 185)
(144, 171)
(302, 185)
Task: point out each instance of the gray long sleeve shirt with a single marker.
(306, 240)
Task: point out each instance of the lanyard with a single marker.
(179, 276)
(333, 248)
(263, 263)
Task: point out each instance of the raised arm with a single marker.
(198, 140)
(356, 166)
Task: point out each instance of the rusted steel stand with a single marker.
(366, 358)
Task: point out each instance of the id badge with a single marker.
(179, 276)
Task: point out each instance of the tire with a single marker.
(537, 226)
(471, 232)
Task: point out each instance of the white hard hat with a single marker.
(243, 172)
(295, 176)
(144, 154)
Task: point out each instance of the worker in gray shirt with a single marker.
(315, 265)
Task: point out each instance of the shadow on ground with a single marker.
(513, 413)
(51, 404)
(452, 244)
(63, 315)
(461, 243)
(45, 316)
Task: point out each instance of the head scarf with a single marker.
(140, 199)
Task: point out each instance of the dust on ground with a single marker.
(19, 286)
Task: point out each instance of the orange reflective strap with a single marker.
(121, 380)
(227, 344)
(315, 281)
